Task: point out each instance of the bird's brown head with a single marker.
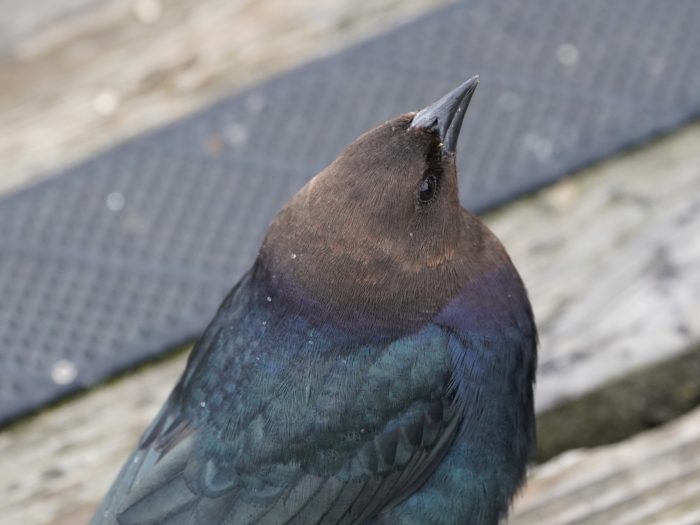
(378, 240)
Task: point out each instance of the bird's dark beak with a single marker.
(446, 115)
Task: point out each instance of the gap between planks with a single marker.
(644, 398)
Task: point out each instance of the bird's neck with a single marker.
(492, 302)
(494, 354)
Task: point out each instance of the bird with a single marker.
(375, 366)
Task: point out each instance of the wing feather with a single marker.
(254, 434)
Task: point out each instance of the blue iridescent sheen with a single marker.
(375, 366)
(264, 388)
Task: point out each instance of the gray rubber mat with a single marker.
(129, 253)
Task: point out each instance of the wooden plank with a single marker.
(644, 398)
(32, 18)
(56, 466)
(612, 259)
(88, 73)
(653, 478)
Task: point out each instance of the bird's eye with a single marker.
(428, 189)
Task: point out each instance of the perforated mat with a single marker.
(129, 253)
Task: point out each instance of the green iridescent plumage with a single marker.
(374, 366)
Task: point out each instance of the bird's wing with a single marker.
(183, 486)
(320, 438)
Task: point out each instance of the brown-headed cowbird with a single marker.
(375, 366)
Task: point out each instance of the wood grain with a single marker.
(611, 258)
(56, 466)
(651, 479)
(86, 74)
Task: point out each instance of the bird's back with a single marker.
(276, 420)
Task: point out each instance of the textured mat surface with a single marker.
(130, 253)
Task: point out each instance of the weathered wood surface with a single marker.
(78, 75)
(611, 257)
(612, 260)
(55, 467)
(644, 398)
(651, 479)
